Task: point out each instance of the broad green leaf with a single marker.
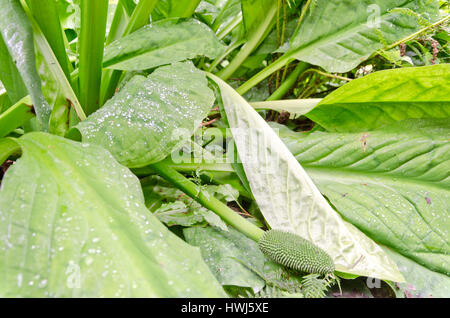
(236, 260)
(55, 86)
(386, 97)
(230, 16)
(254, 13)
(150, 116)
(8, 147)
(392, 184)
(162, 42)
(18, 37)
(9, 75)
(16, 115)
(5, 102)
(226, 253)
(73, 224)
(290, 201)
(173, 207)
(420, 281)
(339, 34)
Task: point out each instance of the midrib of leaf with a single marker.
(125, 244)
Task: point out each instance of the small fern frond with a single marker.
(315, 287)
(407, 11)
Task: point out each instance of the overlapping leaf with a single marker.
(18, 37)
(290, 201)
(386, 97)
(73, 223)
(149, 116)
(393, 184)
(160, 43)
(338, 34)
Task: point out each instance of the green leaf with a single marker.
(420, 281)
(226, 253)
(338, 34)
(295, 107)
(91, 48)
(385, 97)
(10, 76)
(73, 224)
(290, 201)
(46, 15)
(55, 86)
(8, 147)
(18, 36)
(150, 116)
(237, 260)
(177, 213)
(175, 8)
(392, 184)
(254, 13)
(162, 42)
(16, 115)
(259, 17)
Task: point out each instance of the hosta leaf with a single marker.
(386, 97)
(254, 13)
(420, 281)
(226, 253)
(18, 37)
(393, 184)
(338, 34)
(236, 260)
(162, 42)
(73, 223)
(150, 116)
(10, 76)
(290, 201)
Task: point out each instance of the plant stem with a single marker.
(289, 82)
(250, 45)
(210, 202)
(184, 11)
(46, 15)
(266, 72)
(91, 41)
(412, 36)
(138, 19)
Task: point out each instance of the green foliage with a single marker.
(149, 117)
(386, 97)
(74, 224)
(160, 43)
(391, 183)
(366, 165)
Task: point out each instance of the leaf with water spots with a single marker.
(17, 34)
(162, 42)
(288, 198)
(393, 184)
(73, 223)
(149, 117)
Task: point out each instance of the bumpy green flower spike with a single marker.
(295, 252)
